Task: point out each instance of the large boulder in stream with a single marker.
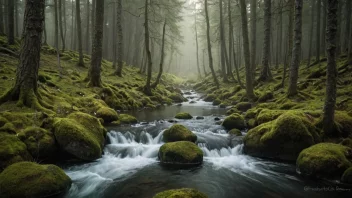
(127, 119)
(81, 135)
(184, 116)
(234, 121)
(283, 138)
(179, 133)
(28, 179)
(183, 192)
(180, 153)
(325, 160)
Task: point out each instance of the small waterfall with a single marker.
(223, 152)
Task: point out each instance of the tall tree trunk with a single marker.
(311, 30)
(209, 45)
(79, 33)
(253, 21)
(120, 39)
(72, 26)
(61, 26)
(222, 43)
(64, 21)
(292, 86)
(114, 45)
(247, 60)
(93, 19)
(228, 57)
(87, 40)
(25, 89)
(161, 58)
(330, 98)
(16, 18)
(147, 89)
(338, 33)
(2, 31)
(97, 47)
(265, 74)
(289, 39)
(281, 32)
(236, 65)
(347, 25)
(323, 30)
(11, 22)
(204, 70)
(197, 47)
(318, 33)
(56, 27)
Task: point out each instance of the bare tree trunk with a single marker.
(11, 21)
(339, 25)
(147, 89)
(265, 74)
(347, 26)
(16, 18)
(161, 58)
(253, 35)
(289, 39)
(209, 45)
(323, 30)
(120, 39)
(249, 83)
(2, 31)
(205, 71)
(114, 38)
(93, 19)
(72, 26)
(318, 33)
(79, 33)
(87, 40)
(236, 65)
(222, 43)
(292, 86)
(330, 100)
(56, 24)
(60, 25)
(97, 47)
(25, 89)
(65, 23)
(311, 30)
(197, 47)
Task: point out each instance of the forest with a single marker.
(175, 98)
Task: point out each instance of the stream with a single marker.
(130, 167)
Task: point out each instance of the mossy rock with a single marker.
(107, 114)
(177, 98)
(127, 119)
(40, 142)
(243, 106)
(232, 111)
(283, 138)
(216, 102)
(324, 160)
(235, 132)
(347, 176)
(268, 95)
(81, 135)
(251, 123)
(28, 179)
(210, 98)
(181, 193)
(344, 123)
(267, 115)
(234, 121)
(12, 150)
(184, 116)
(179, 133)
(182, 152)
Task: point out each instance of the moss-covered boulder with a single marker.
(107, 114)
(268, 95)
(243, 106)
(12, 150)
(216, 102)
(344, 123)
(127, 119)
(267, 115)
(283, 138)
(81, 135)
(347, 176)
(28, 179)
(179, 133)
(181, 193)
(235, 132)
(40, 142)
(234, 121)
(180, 153)
(184, 116)
(177, 98)
(325, 160)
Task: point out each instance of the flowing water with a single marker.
(130, 168)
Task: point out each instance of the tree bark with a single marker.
(347, 26)
(318, 33)
(97, 47)
(25, 89)
(236, 65)
(249, 83)
(197, 47)
(253, 35)
(338, 33)
(265, 74)
(161, 58)
(323, 29)
(79, 33)
(114, 45)
(11, 22)
(93, 19)
(61, 26)
(87, 40)
(16, 18)
(330, 98)
(56, 24)
(289, 39)
(311, 30)
(147, 88)
(2, 31)
(120, 52)
(209, 45)
(292, 86)
(222, 43)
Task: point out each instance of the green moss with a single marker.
(178, 193)
(234, 121)
(184, 116)
(216, 102)
(40, 142)
(107, 114)
(243, 106)
(267, 115)
(12, 150)
(210, 98)
(127, 119)
(27, 179)
(268, 95)
(347, 176)
(235, 132)
(251, 123)
(181, 152)
(80, 135)
(324, 160)
(344, 123)
(176, 97)
(178, 133)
